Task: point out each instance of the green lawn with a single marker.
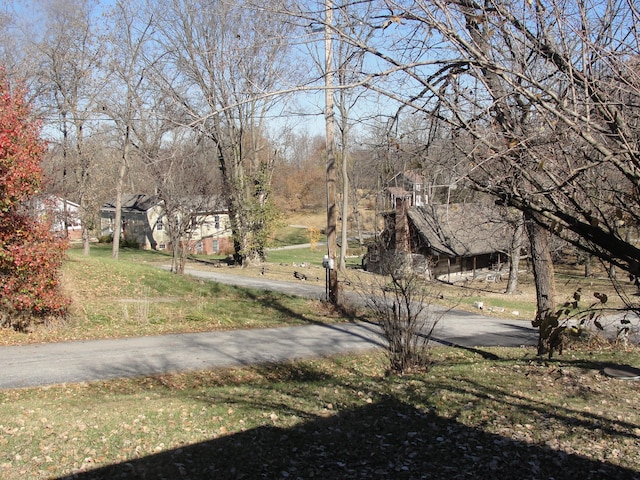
(294, 236)
(512, 416)
(298, 255)
(133, 297)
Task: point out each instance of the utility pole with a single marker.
(332, 213)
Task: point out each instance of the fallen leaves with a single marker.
(334, 418)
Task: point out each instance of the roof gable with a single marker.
(412, 177)
(141, 203)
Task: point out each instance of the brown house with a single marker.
(407, 186)
(442, 241)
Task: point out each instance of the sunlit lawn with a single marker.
(134, 297)
(513, 416)
(498, 413)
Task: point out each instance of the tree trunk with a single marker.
(179, 257)
(344, 234)
(174, 258)
(543, 274)
(514, 255)
(85, 222)
(356, 214)
(86, 245)
(182, 257)
(117, 227)
(332, 212)
(117, 223)
(587, 265)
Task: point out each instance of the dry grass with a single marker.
(498, 413)
(133, 297)
(462, 295)
(514, 416)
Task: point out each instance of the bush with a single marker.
(30, 254)
(129, 243)
(105, 239)
(400, 304)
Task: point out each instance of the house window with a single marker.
(162, 246)
(418, 187)
(199, 247)
(216, 246)
(216, 221)
(159, 224)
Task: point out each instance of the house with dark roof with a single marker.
(144, 222)
(442, 241)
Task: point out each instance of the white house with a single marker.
(63, 214)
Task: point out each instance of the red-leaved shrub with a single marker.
(30, 254)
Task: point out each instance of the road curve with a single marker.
(455, 327)
(71, 362)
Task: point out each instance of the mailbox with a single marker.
(327, 262)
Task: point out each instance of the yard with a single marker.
(513, 416)
(491, 413)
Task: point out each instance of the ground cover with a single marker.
(296, 235)
(497, 413)
(282, 264)
(500, 413)
(134, 297)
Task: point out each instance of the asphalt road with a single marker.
(70, 362)
(456, 326)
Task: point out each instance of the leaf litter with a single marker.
(342, 417)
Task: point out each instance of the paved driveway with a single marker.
(69, 362)
(457, 326)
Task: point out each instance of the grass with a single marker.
(467, 417)
(521, 305)
(499, 413)
(133, 297)
(301, 255)
(293, 235)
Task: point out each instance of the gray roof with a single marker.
(461, 229)
(141, 202)
(138, 202)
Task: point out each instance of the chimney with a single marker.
(401, 226)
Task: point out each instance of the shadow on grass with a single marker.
(387, 439)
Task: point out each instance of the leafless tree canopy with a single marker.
(541, 98)
(535, 102)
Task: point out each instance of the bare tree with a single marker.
(131, 29)
(220, 60)
(557, 89)
(349, 63)
(299, 177)
(71, 67)
(187, 189)
(400, 303)
(540, 95)
(515, 252)
(16, 55)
